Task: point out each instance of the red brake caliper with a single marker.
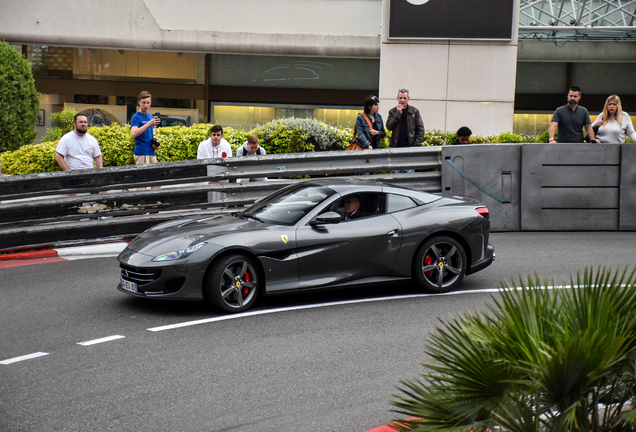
(427, 261)
(246, 278)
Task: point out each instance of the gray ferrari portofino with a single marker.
(320, 233)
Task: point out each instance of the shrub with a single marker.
(545, 137)
(181, 143)
(275, 135)
(30, 159)
(434, 137)
(539, 359)
(508, 137)
(116, 144)
(63, 121)
(19, 101)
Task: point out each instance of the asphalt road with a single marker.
(331, 368)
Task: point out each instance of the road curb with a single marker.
(71, 252)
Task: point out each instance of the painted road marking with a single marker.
(101, 340)
(22, 358)
(295, 308)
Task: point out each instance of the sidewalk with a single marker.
(43, 254)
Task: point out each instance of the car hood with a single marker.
(180, 233)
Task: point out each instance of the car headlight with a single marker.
(170, 256)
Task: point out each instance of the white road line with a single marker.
(295, 308)
(24, 357)
(101, 340)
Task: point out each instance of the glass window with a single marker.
(531, 123)
(541, 78)
(249, 116)
(589, 77)
(122, 65)
(289, 204)
(396, 203)
(294, 72)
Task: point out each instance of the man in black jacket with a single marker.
(406, 123)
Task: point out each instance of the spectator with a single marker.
(78, 149)
(369, 125)
(570, 120)
(216, 146)
(251, 148)
(406, 123)
(463, 136)
(142, 129)
(613, 123)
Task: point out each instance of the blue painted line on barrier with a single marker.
(477, 185)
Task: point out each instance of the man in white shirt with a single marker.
(78, 149)
(216, 146)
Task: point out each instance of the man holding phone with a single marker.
(142, 128)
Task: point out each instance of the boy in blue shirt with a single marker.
(141, 127)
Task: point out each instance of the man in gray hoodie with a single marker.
(251, 148)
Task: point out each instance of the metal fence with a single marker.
(59, 207)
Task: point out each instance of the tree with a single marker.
(540, 359)
(19, 101)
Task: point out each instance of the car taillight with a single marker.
(483, 211)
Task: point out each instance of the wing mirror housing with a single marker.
(329, 217)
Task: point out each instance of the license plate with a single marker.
(129, 286)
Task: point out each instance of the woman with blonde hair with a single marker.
(613, 123)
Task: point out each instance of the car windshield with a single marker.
(288, 205)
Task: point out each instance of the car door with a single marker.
(349, 250)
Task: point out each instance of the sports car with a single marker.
(315, 234)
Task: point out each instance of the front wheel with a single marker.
(232, 284)
(440, 265)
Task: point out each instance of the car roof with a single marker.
(346, 185)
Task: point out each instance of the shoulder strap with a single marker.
(367, 119)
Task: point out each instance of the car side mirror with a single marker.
(329, 217)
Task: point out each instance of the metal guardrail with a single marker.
(49, 208)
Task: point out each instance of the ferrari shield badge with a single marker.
(284, 238)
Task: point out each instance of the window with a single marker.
(398, 202)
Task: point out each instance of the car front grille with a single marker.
(140, 276)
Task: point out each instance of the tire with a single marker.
(440, 265)
(232, 284)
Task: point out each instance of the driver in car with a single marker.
(352, 207)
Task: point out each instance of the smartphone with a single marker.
(157, 114)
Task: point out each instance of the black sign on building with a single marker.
(451, 19)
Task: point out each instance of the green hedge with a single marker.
(181, 143)
(117, 146)
(275, 136)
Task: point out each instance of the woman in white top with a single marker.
(613, 123)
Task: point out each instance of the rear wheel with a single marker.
(232, 284)
(440, 265)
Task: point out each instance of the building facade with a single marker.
(246, 62)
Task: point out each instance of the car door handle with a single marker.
(392, 233)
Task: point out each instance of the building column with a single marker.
(453, 83)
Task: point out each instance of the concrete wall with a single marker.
(547, 187)
(452, 83)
